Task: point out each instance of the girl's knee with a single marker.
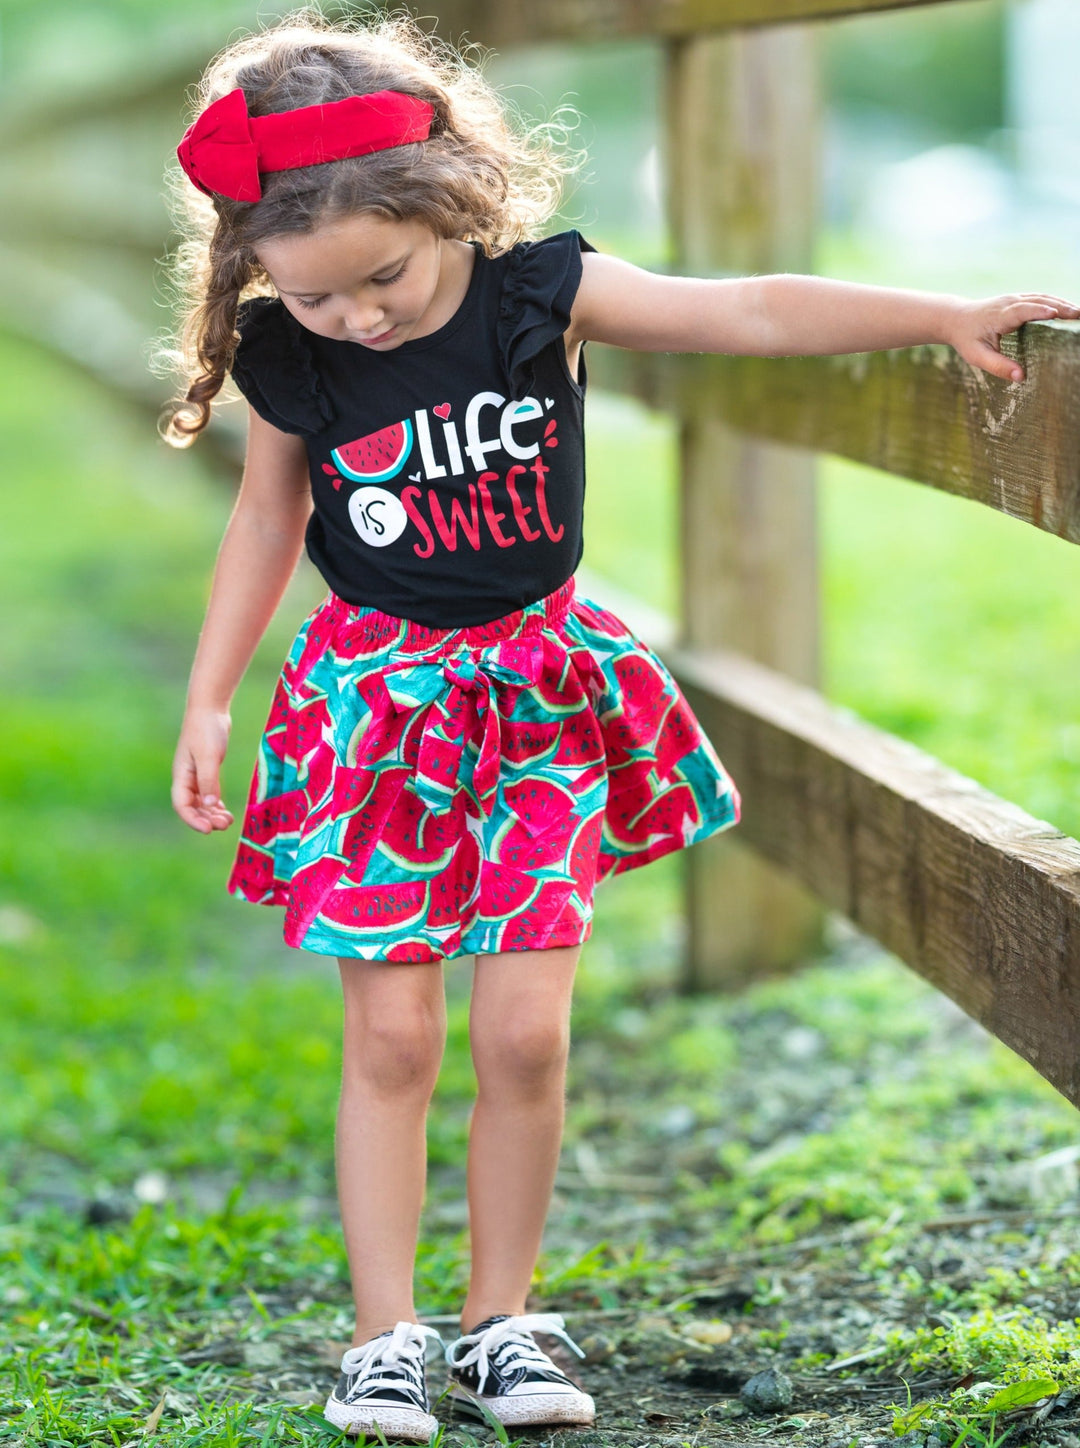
(397, 1054)
(526, 1055)
(395, 1024)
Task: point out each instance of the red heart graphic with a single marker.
(443, 410)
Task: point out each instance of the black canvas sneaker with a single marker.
(499, 1365)
(383, 1384)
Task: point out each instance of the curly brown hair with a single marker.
(480, 176)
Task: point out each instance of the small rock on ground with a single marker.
(767, 1391)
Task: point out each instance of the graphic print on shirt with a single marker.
(500, 502)
(376, 514)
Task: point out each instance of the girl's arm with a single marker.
(788, 315)
(257, 558)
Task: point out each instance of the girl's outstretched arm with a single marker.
(258, 555)
(788, 315)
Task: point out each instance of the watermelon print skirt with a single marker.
(423, 793)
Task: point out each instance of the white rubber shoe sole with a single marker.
(394, 1420)
(526, 1408)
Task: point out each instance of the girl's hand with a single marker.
(976, 328)
(196, 792)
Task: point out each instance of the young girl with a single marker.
(459, 747)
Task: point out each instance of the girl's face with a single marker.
(362, 278)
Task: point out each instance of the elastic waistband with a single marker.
(549, 612)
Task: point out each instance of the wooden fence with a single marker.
(971, 892)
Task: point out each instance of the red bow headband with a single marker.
(224, 151)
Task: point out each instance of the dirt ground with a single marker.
(659, 1382)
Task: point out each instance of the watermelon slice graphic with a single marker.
(378, 456)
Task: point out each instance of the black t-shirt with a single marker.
(447, 473)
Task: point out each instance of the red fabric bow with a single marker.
(225, 149)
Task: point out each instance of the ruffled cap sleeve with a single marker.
(274, 369)
(541, 282)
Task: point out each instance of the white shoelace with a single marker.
(511, 1330)
(407, 1342)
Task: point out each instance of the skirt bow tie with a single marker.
(460, 691)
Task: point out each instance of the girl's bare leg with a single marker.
(395, 1035)
(519, 1030)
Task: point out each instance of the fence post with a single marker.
(741, 154)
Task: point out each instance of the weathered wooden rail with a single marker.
(518, 22)
(975, 894)
(967, 889)
(919, 412)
